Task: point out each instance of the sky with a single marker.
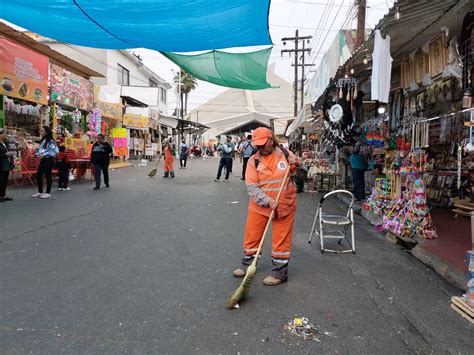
(318, 18)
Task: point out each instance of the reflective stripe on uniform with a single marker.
(270, 181)
(280, 261)
(250, 250)
(282, 253)
(273, 188)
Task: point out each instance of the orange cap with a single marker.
(261, 135)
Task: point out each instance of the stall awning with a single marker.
(303, 115)
(165, 25)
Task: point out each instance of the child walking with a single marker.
(63, 164)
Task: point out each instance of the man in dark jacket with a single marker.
(6, 164)
(100, 158)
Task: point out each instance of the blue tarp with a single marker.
(165, 25)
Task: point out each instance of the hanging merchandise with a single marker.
(94, 123)
(381, 68)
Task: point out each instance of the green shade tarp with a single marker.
(246, 71)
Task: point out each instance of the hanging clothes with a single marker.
(381, 68)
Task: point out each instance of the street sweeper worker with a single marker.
(168, 151)
(266, 170)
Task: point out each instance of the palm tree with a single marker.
(188, 84)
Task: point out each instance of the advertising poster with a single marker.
(71, 89)
(119, 132)
(135, 121)
(23, 73)
(108, 101)
(79, 146)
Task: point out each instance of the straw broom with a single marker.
(154, 171)
(242, 291)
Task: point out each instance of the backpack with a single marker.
(284, 151)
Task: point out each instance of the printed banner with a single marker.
(23, 73)
(135, 121)
(107, 100)
(120, 147)
(71, 89)
(80, 146)
(119, 132)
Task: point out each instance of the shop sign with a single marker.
(120, 147)
(107, 100)
(79, 146)
(119, 140)
(71, 89)
(135, 121)
(23, 73)
(119, 132)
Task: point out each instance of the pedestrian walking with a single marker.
(64, 165)
(46, 152)
(226, 160)
(262, 186)
(169, 158)
(100, 158)
(183, 154)
(6, 165)
(247, 150)
(358, 167)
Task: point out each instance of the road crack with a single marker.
(52, 224)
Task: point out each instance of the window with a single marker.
(163, 95)
(152, 83)
(123, 75)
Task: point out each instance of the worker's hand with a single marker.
(273, 204)
(294, 160)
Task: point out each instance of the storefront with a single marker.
(417, 144)
(23, 94)
(108, 101)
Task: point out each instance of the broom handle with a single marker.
(158, 163)
(259, 250)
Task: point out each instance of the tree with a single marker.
(188, 84)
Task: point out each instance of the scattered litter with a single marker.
(233, 202)
(19, 329)
(120, 323)
(303, 328)
(235, 333)
(190, 230)
(237, 306)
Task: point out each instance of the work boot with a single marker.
(167, 174)
(172, 174)
(239, 273)
(272, 281)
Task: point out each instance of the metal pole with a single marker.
(362, 5)
(296, 75)
(302, 77)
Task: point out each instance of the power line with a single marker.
(334, 20)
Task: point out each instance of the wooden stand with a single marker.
(461, 307)
(463, 208)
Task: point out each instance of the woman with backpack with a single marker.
(46, 152)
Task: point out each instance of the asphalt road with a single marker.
(145, 267)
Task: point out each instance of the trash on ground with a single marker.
(302, 327)
(237, 306)
(233, 202)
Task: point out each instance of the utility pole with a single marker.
(296, 51)
(361, 11)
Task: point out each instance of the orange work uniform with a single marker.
(263, 182)
(168, 158)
